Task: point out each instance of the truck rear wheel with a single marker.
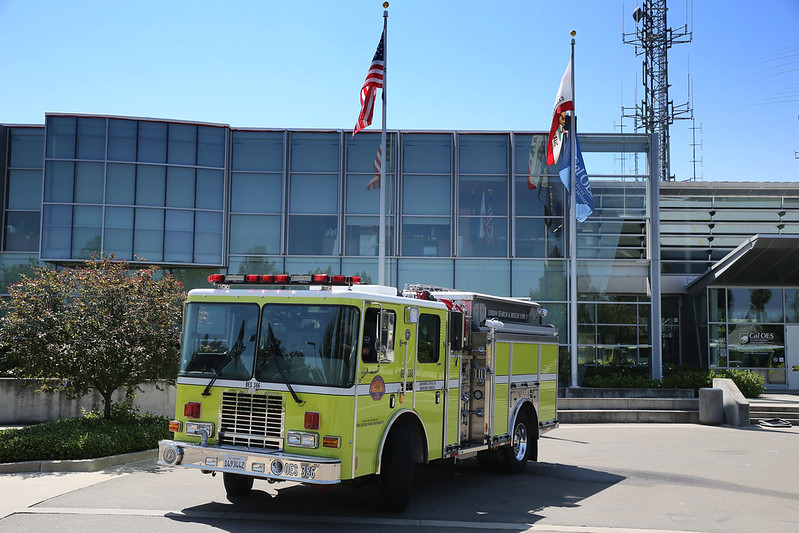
(237, 484)
(522, 440)
(396, 477)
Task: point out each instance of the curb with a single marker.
(78, 465)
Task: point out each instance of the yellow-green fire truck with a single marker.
(320, 379)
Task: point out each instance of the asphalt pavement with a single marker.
(592, 477)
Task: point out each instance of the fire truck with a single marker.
(321, 379)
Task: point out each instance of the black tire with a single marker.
(523, 439)
(237, 485)
(396, 476)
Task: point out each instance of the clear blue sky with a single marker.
(465, 64)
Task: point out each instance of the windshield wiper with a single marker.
(236, 350)
(276, 355)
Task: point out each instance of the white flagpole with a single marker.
(381, 261)
(573, 228)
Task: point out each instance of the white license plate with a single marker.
(235, 462)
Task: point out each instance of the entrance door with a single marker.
(792, 356)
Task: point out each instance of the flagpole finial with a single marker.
(572, 33)
(385, 5)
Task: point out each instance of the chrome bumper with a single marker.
(268, 465)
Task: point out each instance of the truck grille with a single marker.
(252, 420)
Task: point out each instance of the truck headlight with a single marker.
(195, 428)
(301, 439)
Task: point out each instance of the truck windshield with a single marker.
(310, 344)
(219, 340)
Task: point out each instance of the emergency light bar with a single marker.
(283, 279)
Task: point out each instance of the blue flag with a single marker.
(585, 200)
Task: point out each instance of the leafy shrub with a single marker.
(619, 376)
(749, 383)
(686, 377)
(86, 437)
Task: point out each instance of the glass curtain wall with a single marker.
(22, 205)
(143, 190)
(746, 329)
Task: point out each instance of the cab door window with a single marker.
(428, 338)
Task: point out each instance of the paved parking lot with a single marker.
(597, 477)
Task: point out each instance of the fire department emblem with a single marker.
(378, 388)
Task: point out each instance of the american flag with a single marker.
(374, 81)
(374, 183)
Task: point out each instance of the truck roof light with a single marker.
(284, 279)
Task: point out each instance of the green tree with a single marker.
(100, 326)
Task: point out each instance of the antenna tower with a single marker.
(652, 39)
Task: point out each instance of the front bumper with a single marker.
(239, 460)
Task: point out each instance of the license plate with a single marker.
(235, 462)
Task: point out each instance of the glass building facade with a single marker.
(475, 211)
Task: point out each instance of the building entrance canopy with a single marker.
(762, 260)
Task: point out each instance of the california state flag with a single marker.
(563, 102)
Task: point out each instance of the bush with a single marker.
(619, 376)
(749, 383)
(686, 377)
(87, 437)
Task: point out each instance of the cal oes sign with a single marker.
(378, 388)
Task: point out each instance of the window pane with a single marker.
(254, 234)
(61, 137)
(426, 236)
(540, 280)
(148, 234)
(539, 237)
(182, 144)
(150, 185)
(314, 193)
(211, 146)
(531, 155)
(256, 193)
(86, 231)
(362, 152)
(152, 142)
(360, 199)
(755, 305)
(313, 265)
(482, 195)
(22, 231)
(258, 150)
(427, 153)
(118, 232)
(56, 231)
(120, 181)
(59, 181)
(27, 147)
(792, 305)
(208, 238)
(483, 154)
(314, 152)
(547, 199)
(179, 187)
(313, 235)
(89, 183)
(436, 272)
(91, 138)
(122, 140)
(210, 189)
(429, 332)
(362, 236)
(489, 277)
(15, 264)
(254, 264)
(25, 189)
(484, 236)
(178, 236)
(434, 201)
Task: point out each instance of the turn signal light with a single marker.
(174, 426)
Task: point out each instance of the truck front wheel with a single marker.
(396, 477)
(237, 484)
(522, 440)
